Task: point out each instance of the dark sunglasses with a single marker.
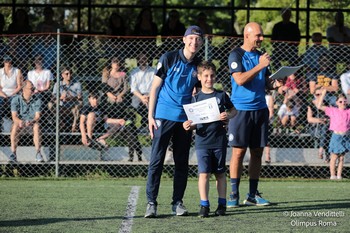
(343, 101)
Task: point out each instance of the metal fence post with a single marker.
(206, 48)
(57, 145)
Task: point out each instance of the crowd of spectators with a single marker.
(123, 94)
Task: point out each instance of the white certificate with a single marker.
(204, 111)
(285, 71)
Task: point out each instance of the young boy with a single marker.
(211, 141)
(92, 119)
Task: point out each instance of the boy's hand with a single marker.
(223, 116)
(187, 125)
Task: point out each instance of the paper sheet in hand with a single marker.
(285, 71)
(204, 111)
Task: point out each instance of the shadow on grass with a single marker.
(332, 205)
(45, 221)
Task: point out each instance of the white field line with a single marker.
(130, 210)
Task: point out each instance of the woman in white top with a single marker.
(10, 84)
(39, 76)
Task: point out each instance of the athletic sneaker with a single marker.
(39, 157)
(233, 201)
(204, 212)
(261, 201)
(179, 209)
(13, 158)
(256, 201)
(221, 210)
(151, 211)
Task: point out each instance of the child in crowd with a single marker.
(340, 125)
(288, 113)
(211, 141)
(270, 101)
(92, 119)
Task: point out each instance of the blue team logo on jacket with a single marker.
(194, 74)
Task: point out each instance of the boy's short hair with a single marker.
(206, 65)
(93, 95)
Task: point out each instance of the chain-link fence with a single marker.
(86, 65)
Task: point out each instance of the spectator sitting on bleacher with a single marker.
(140, 85)
(118, 103)
(49, 24)
(338, 35)
(25, 110)
(285, 40)
(327, 78)
(70, 100)
(40, 77)
(270, 102)
(10, 84)
(318, 125)
(345, 83)
(288, 114)
(93, 119)
(114, 77)
(311, 57)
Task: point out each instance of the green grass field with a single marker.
(118, 205)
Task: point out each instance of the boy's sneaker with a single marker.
(179, 209)
(221, 210)
(256, 201)
(204, 212)
(151, 211)
(233, 201)
(39, 157)
(13, 158)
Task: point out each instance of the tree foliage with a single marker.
(218, 18)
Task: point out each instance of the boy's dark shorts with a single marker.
(211, 160)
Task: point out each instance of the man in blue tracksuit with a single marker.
(172, 87)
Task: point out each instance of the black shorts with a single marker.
(249, 129)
